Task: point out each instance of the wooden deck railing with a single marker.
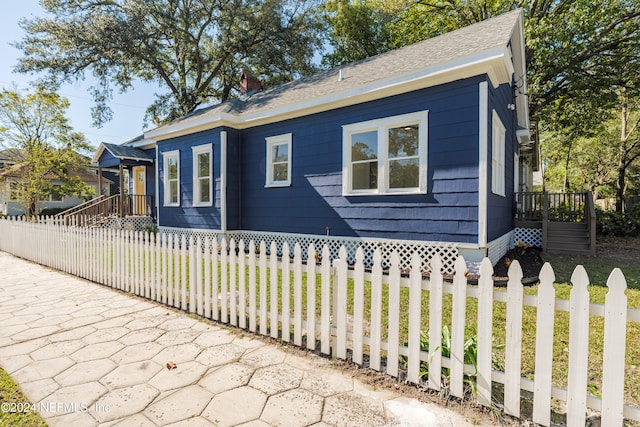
(557, 207)
(99, 210)
(555, 214)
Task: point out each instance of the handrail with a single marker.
(112, 206)
(104, 207)
(81, 206)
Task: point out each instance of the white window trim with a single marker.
(382, 126)
(498, 142)
(197, 150)
(166, 156)
(276, 140)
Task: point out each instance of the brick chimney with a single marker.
(249, 83)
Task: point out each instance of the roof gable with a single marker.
(122, 152)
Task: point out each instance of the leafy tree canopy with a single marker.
(570, 45)
(37, 137)
(194, 49)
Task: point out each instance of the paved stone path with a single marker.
(86, 355)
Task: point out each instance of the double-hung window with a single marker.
(202, 182)
(171, 174)
(497, 156)
(278, 161)
(386, 156)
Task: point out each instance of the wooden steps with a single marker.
(568, 238)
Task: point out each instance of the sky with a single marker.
(128, 109)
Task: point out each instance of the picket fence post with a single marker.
(485, 332)
(341, 268)
(311, 297)
(325, 315)
(297, 295)
(435, 321)
(513, 340)
(242, 286)
(393, 315)
(458, 316)
(376, 311)
(358, 306)
(545, 312)
(615, 335)
(263, 288)
(252, 286)
(578, 348)
(286, 293)
(273, 288)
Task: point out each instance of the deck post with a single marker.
(121, 203)
(545, 220)
(99, 181)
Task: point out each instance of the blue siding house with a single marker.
(422, 144)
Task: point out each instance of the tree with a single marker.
(195, 49)
(40, 141)
(357, 30)
(570, 44)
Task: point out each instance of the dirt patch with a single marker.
(530, 261)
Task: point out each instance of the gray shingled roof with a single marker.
(456, 45)
(483, 36)
(125, 152)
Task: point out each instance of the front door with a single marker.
(139, 190)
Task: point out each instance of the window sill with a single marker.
(385, 193)
(278, 185)
(203, 205)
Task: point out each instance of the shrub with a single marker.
(51, 211)
(619, 224)
(151, 228)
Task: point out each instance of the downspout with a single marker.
(483, 145)
(223, 181)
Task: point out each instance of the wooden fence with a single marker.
(371, 316)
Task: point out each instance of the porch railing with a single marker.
(563, 217)
(557, 207)
(97, 211)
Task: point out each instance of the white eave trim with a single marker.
(495, 62)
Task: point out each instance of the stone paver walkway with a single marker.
(86, 355)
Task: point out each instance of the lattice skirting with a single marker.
(405, 248)
(528, 236)
(134, 223)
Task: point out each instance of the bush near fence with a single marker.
(361, 314)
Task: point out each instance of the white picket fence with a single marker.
(337, 309)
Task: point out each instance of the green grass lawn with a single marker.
(12, 406)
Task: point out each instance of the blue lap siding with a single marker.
(314, 202)
(500, 209)
(186, 215)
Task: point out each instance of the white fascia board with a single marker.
(518, 48)
(495, 62)
(96, 157)
(144, 144)
(187, 127)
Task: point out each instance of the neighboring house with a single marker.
(10, 177)
(424, 143)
